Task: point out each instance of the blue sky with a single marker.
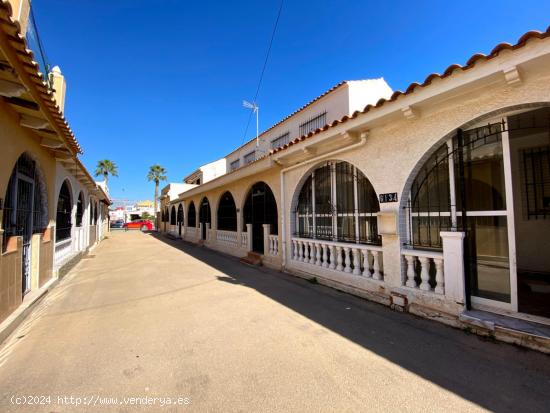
(162, 81)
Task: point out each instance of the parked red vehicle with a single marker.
(142, 224)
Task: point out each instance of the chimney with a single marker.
(20, 12)
(59, 86)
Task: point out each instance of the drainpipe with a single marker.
(361, 142)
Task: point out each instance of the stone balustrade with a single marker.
(244, 239)
(63, 250)
(227, 237)
(424, 270)
(273, 244)
(357, 259)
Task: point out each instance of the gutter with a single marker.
(361, 142)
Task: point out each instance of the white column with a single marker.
(267, 231)
(356, 261)
(425, 273)
(410, 271)
(347, 268)
(453, 265)
(376, 265)
(249, 236)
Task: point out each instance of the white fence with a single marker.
(358, 259)
(420, 267)
(227, 237)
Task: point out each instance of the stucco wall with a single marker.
(396, 149)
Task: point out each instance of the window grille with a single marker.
(313, 123)
(79, 210)
(235, 165)
(180, 214)
(173, 215)
(250, 157)
(24, 205)
(338, 203)
(536, 181)
(280, 141)
(192, 216)
(63, 215)
(227, 213)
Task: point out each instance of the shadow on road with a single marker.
(496, 376)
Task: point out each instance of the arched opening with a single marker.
(180, 218)
(95, 213)
(192, 215)
(491, 183)
(173, 215)
(338, 203)
(63, 215)
(260, 208)
(25, 209)
(227, 213)
(204, 216)
(79, 209)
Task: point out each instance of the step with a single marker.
(522, 332)
(252, 258)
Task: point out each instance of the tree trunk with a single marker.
(156, 196)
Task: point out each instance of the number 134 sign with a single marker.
(391, 197)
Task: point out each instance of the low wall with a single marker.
(10, 277)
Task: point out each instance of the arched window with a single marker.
(337, 202)
(227, 213)
(63, 216)
(192, 215)
(25, 204)
(180, 214)
(173, 215)
(79, 209)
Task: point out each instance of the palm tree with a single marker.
(156, 173)
(106, 168)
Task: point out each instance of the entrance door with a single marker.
(25, 192)
(260, 208)
(482, 209)
(204, 217)
(258, 213)
(530, 165)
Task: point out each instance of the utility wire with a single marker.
(263, 68)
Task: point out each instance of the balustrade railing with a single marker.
(424, 270)
(62, 250)
(191, 232)
(358, 259)
(273, 244)
(227, 237)
(244, 239)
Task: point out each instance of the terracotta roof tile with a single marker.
(26, 57)
(522, 41)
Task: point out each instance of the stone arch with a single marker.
(411, 176)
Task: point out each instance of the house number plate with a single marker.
(391, 197)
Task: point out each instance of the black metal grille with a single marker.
(180, 214)
(173, 215)
(24, 206)
(227, 213)
(536, 170)
(250, 157)
(280, 140)
(192, 215)
(79, 210)
(337, 202)
(63, 216)
(313, 123)
(430, 209)
(235, 165)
